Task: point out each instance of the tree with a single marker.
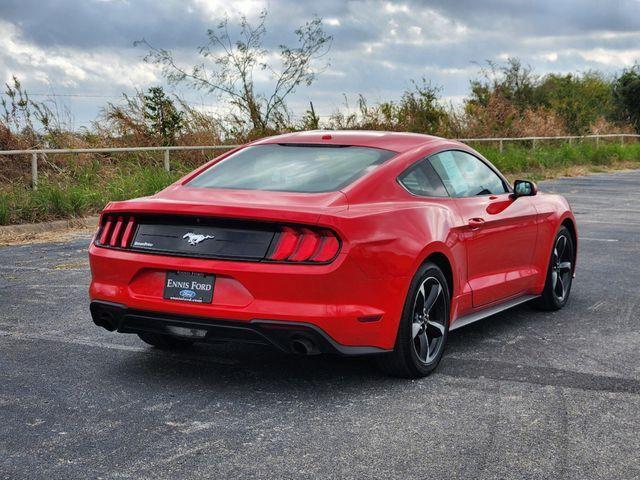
(162, 117)
(419, 109)
(626, 95)
(578, 99)
(512, 82)
(228, 67)
(148, 117)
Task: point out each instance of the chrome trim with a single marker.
(487, 312)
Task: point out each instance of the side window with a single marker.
(423, 180)
(465, 175)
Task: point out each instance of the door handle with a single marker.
(476, 223)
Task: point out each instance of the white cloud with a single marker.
(411, 26)
(610, 57)
(378, 45)
(69, 67)
(216, 9)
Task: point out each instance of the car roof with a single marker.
(394, 141)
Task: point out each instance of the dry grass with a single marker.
(53, 236)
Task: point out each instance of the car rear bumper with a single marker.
(290, 337)
(341, 306)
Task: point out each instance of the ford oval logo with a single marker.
(187, 293)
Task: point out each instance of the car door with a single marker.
(500, 230)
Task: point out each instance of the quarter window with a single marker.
(464, 175)
(423, 180)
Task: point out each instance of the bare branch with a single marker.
(228, 67)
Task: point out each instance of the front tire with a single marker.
(559, 273)
(424, 326)
(165, 342)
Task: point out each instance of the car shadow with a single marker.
(240, 366)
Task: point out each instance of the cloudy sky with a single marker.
(82, 51)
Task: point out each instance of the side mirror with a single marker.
(524, 188)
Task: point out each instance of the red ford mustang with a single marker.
(345, 242)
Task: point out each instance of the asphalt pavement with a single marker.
(523, 394)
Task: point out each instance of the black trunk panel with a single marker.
(208, 238)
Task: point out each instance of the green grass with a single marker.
(85, 189)
(551, 160)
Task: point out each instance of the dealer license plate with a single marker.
(189, 287)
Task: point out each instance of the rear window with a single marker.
(292, 168)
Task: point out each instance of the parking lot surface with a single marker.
(523, 394)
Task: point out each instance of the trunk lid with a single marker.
(238, 204)
(216, 223)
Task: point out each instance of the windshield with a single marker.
(292, 168)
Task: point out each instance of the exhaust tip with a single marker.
(304, 346)
(106, 320)
(105, 315)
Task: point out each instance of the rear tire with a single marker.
(165, 342)
(559, 273)
(424, 326)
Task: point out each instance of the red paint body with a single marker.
(386, 233)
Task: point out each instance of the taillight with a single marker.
(305, 245)
(115, 236)
(329, 246)
(128, 233)
(286, 244)
(105, 231)
(116, 231)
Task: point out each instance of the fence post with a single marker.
(533, 143)
(34, 171)
(501, 146)
(621, 139)
(597, 141)
(167, 166)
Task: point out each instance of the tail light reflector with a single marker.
(305, 245)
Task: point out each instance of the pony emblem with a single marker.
(196, 238)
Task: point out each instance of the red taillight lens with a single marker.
(128, 233)
(286, 244)
(106, 231)
(113, 241)
(305, 245)
(328, 248)
(116, 231)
